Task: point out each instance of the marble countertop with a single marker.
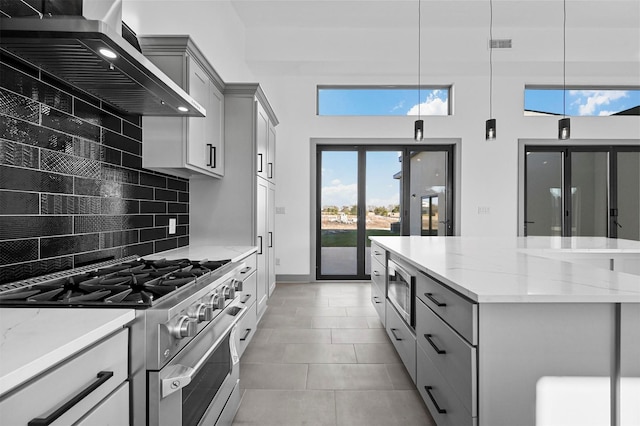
(520, 270)
(33, 340)
(209, 252)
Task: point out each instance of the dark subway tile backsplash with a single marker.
(72, 187)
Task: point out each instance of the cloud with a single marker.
(589, 101)
(433, 105)
(398, 106)
(338, 194)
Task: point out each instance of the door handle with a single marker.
(433, 299)
(101, 378)
(259, 163)
(260, 245)
(437, 349)
(393, 331)
(246, 334)
(440, 410)
(270, 239)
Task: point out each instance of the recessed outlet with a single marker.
(280, 210)
(277, 261)
(484, 210)
(172, 225)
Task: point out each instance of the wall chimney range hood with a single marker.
(93, 56)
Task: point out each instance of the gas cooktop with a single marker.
(137, 283)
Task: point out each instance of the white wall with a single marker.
(213, 25)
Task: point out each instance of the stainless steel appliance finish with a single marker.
(183, 329)
(401, 289)
(69, 48)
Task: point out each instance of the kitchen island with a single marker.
(506, 334)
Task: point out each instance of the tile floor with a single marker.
(321, 357)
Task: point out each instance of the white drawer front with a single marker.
(460, 313)
(246, 329)
(52, 390)
(252, 263)
(113, 411)
(378, 275)
(403, 340)
(378, 253)
(249, 288)
(453, 356)
(444, 406)
(378, 301)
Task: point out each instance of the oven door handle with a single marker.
(179, 376)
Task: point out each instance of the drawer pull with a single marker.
(377, 253)
(437, 349)
(245, 298)
(440, 410)
(246, 334)
(102, 377)
(433, 299)
(393, 331)
(245, 270)
(376, 273)
(376, 299)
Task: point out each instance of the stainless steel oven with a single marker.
(401, 291)
(194, 388)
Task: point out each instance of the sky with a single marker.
(340, 177)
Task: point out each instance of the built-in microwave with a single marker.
(401, 289)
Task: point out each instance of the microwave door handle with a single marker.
(179, 375)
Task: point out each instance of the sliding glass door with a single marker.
(582, 191)
(362, 192)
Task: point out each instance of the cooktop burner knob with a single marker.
(216, 301)
(201, 312)
(184, 327)
(236, 284)
(229, 292)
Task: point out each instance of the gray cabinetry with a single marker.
(248, 323)
(101, 370)
(185, 146)
(240, 209)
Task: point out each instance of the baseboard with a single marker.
(290, 278)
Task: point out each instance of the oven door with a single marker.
(193, 388)
(401, 291)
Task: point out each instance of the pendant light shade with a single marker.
(490, 129)
(418, 130)
(564, 128)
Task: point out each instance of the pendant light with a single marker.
(564, 124)
(418, 126)
(490, 124)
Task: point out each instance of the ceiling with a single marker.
(379, 37)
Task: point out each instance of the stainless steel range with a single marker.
(183, 360)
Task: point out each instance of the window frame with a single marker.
(569, 88)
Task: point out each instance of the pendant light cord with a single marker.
(564, 58)
(419, 56)
(490, 58)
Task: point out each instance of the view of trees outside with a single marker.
(339, 224)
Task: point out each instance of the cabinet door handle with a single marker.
(376, 299)
(434, 300)
(270, 170)
(270, 239)
(102, 377)
(259, 163)
(245, 298)
(246, 334)
(210, 163)
(437, 349)
(260, 244)
(214, 156)
(376, 273)
(440, 410)
(393, 331)
(377, 253)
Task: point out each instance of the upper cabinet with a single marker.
(266, 144)
(185, 146)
